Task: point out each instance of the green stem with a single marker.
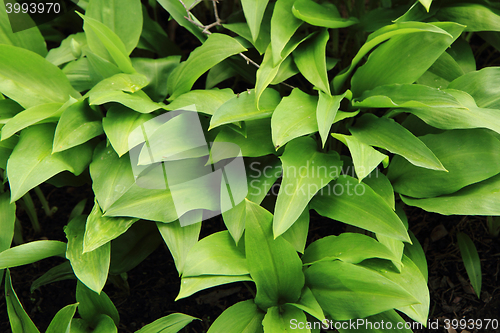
(45, 204)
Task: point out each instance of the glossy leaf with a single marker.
(359, 206)
(218, 74)
(471, 261)
(91, 268)
(326, 112)
(283, 26)
(124, 18)
(273, 263)
(68, 50)
(172, 323)
(426, 4)
(476, 17)
(178, 12)
(254, 12)
(100, 230)
(288, 125)
(180, 240)
(240, 318)
(32, 161)
(281, 319)
(205, 101)
(309, 304)
(7, 222)
(92, 305)
(29, 39)
(193, 284)
(19, 320)
(416, 253)
(31, 252)
(476, 160)
(242, 30)
(347, 291)
(321, 15)
(216, 48)
(387, 134)
(157, 72)
(30, 80)
(305, 172)
(485, 95)
(62, 320)
(296, 235)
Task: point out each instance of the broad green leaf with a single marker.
(476, 17)
(179, 239)
(29, 39)
(254, 12)
(426, 4)
(119, 123)
(273, 263)
(19, 320)
(218, 74)
(471, 261)
(416, 253)
(137, 101)
(216, 254)
(100, 68)
(157, 72)
(348, 247)
(6, 148)
(7, 223)
(100, 230)
(79, 74)
(60, 272)
(242, 29)
(411, 280)
(205, 101)
(382, 186)
(309, 304)
(31, 80)
(310, 58)
(371, 324)
(178, 12)
(32, 161)
(31, 252)
(404, 58)
(172, 323)
(387, 134)
(105, 43)
(69, 50)
(191, 285)
(215, 49)
(242, 317)
(357, 204)
(294, 116)
(78, 124)
(283, 26)
(364, 157)
(305, 172)
(480, 198)
(485, 95)
(282, 319)
(476, 160)
(347, 291)
(242, 107)
(297, 233)
(395, 246)
(118, 82)
(91, 268)
(379, 36)
(155, 39)
(321, 15)
(105, 324)
(62, 320)
(92, 305)
(123, 18)
(326, 112)
(287, 69)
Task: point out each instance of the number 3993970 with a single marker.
(33, 8)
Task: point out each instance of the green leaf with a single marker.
(62, 320)
(263, 38)
(100, 230)
(310, 58)
(476, 17)
(215, 49)
(426, 4)
(382, 186)
(480, 198)
(254, 12)
(91, 268)
(78, 124)
(309, 304)
(347, 291)
(58, 273)
(172, 323)
(193, 284)
(180, 240)
(7, 221)
(348, 247)
(390, 316)
(471, 261)
(32, 161)
(79, 74)
(274, 264)
(124, 18)
(130, 83)
(29, 39)
(157, 72)
(321, 15)
(283, 26)
(361, 207)
(69, 50)
(205, 101)
(387, 134)
(282, 318)
(31, 252)
(288, 125)
(178, 12)
(240, 318)
(476, 160)
(119, 123)
(100, 68)
(19, 320)
(216, 254)
(415, 253)
(326, 113)
(31, 80)
(296, 235)
(287, 69)
(305, 172)
(92, 305)
(105, 324)
(242, 107)
(485, 95)
(218, 74)
(365, 158)
(106, 44)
